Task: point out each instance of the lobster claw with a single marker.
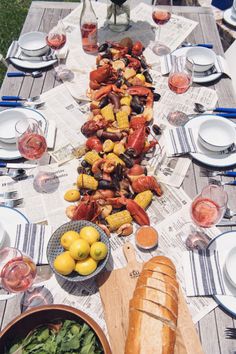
(137, 212)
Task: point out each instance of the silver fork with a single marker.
(220, 183)
(9, 195)
(21, 104)
(12, 203)
(229, 213)
(230, 333)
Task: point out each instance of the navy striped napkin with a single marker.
(204, 274)
(32, 239)
(220, 66)
(179, 141)
(14, 51)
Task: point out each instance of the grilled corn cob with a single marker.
(91, 157)
(115, 158)
(122, 120)
(143, 199)
(118, 219)
(87, 182)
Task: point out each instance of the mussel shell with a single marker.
(136, 105)
(143, 63)
(104, 102)
(156, 96)
(119, 82)
(127, 160)
(148, 77)
(103, 47)
(81, 169)
(156, 129)
(104, 184)
(118, 173)
(130, 152)
(127, 83)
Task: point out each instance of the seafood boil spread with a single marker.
(114, 186)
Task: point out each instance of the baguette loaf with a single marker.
(153, 310)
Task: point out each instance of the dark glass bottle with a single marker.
(89, 28)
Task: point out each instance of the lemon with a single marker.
(68, 238)
(64, 263)
(90, 234)
(108, 145)
(79, 249)
(98, 251)
(72, 195)
(86, 267)
(141, 77)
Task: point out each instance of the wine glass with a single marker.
(56, 39)
(181, 74)
(207, 209)
(160, 16)
(18, 273)
(31, 142)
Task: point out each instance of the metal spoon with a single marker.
(34, 74)
(17, 174)
(198, 107)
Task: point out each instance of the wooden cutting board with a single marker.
(116, 289)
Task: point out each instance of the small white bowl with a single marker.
(33, 43)
(8, 120)
(203, 58)
(216, 134)
(230, 266)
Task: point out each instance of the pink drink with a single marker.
(18, 274)
(56, 41)
(32, 146)
(205, 212)
(179, 82)
(161, 17)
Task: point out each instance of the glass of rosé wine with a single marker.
(30, 139)
(17, 271)
(161, 15)
(181, 75)
(56, 39)
(208, 208)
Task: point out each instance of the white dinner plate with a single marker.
(228, 19)
(224, 243)
(9, 219)
(207, 157)
(32, 64)
(10, 151)
(200, 80)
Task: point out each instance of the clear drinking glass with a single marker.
(56, 39)
(208, 208)
(161, 15)
(31, 142)
(181, 75)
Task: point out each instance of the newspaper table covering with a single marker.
(173, 34)
(168, 213)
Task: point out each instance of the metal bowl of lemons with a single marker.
(78, 250)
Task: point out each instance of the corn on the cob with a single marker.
(122, 120)
(87, 182)
(144, 198)
(118, 219)
(126, 100)
(91, 157)
(107, 112)
(115, 158)
(108, 145)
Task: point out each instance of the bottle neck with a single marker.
(88, 14)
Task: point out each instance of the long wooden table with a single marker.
(42, 16)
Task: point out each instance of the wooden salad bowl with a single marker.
(27, 321)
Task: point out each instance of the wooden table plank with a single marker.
(42, 16)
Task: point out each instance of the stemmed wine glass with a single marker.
(18, 273)
(31, 142)
(160, 16)
(207, 209)
(181, 74)
(56, 39)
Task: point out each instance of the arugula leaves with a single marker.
(72, 338)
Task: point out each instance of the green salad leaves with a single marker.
(66, 337)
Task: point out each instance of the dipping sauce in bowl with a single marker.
(146, 237)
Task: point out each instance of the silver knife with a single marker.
(17, 165)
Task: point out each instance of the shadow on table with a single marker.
(141, 30)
